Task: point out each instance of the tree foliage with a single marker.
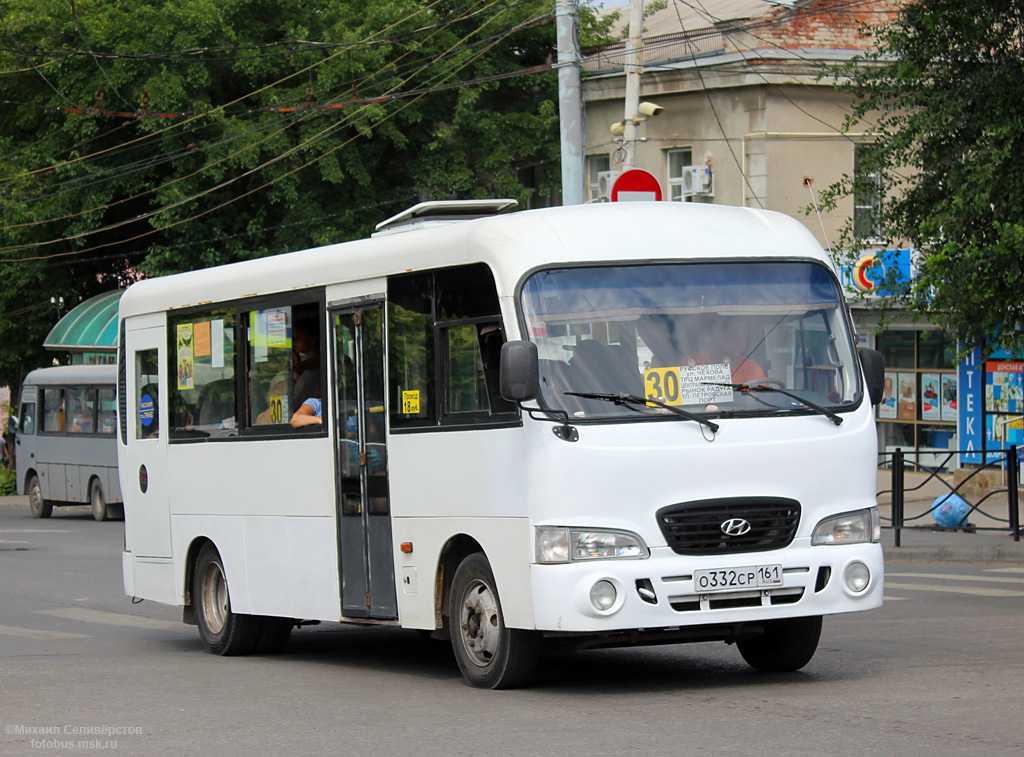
(947, 89)
(155, 136)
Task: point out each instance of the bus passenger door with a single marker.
(145, 482)
(367, 560)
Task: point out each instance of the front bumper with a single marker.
(812, 585)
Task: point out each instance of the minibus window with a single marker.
(28, 418)
(689, 335)
(147, 400)
(202, 376)
(81, 410)
(53, 410)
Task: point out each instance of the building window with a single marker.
(867, 198)
(918, 411)
(678, 160)
(596, 165)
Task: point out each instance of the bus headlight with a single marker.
(860, 527)
(560, 545)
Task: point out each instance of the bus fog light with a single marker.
(857, 577)
(603, 595)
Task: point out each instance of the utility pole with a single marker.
(570, 102)
(634, 62)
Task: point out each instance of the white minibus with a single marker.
(65, 451)
(576, 427)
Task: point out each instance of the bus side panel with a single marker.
(113, 485)
(152, 578)
(505, 541)
(52, 481)
(275, 565)
(292, 567)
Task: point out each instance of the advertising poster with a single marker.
(931, 410)
(907, 396)
(1004, 383)
(185, 356)
(887, 407)
(949, 389)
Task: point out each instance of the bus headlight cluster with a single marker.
(560, 545)
(860, 527)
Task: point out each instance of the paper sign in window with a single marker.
(411, 402)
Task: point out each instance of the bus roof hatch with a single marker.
(443, 211)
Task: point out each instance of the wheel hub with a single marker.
(481, 634)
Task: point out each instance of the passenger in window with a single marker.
(729, 342)
(309, 413)
(306, 358)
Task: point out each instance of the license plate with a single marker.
(736, 579)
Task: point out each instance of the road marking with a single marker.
(87, 615)
(35, 531)
(887, 598)
(33, 633)
(976, 591)
(955, 577)
(1004, 570)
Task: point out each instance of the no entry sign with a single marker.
(636, 185)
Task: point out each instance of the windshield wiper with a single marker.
(632, 399)
(836, 419)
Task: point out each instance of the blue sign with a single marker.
(147, 410)
(875, 273)
(970, 404)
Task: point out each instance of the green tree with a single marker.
(156, 136)
(947, 90)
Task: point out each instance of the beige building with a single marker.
(746, 118)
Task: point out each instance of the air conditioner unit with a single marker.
(698, 180)
(605, 180)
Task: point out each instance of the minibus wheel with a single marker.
(785, 646)
(99, 504)
(222, 631)
(40, 507)
(490, 655)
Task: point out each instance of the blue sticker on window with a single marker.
(146, 410)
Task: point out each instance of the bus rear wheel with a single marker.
(99, 504)
(490, 655)
(223, 632)
(785, 645)
(40, 507)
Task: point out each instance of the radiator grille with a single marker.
(695, 528)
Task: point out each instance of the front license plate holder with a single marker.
(737, 579)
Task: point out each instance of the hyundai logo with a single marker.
(735, 527)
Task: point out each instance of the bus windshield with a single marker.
(693, 335)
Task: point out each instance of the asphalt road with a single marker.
(936, 671)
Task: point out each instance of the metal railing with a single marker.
(898, 463)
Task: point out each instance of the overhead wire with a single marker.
(245, 194)
(207, 166)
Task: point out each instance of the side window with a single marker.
(285, 365)
(202, 379)
(106, 403)
(456, 310)
(27, 418)
(411, 349)
(147, 401)
(80, 415)
(53, 410)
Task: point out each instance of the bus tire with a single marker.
(99, 504)
(40, 507)
(785, 645)
(490, 655)
(222, 631)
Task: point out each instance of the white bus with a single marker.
(65, 452)
(677, 443)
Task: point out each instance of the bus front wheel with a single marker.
(222, 631)
(40, 507)
(785, 645)
(99, 504)
(490, 655)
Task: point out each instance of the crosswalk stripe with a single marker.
(113, 619)
(956, 577)
(887, 598)
(978, 591)
(35, 633)
(1004, 570)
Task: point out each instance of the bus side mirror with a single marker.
(520, 371)
(874, 372)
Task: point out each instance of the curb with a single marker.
(988, 553)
